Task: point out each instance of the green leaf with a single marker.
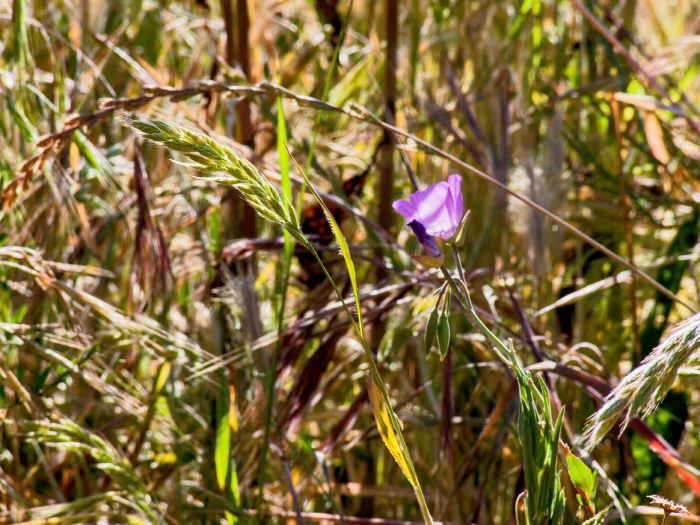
(214, 230)
(161, 378)
(222, 448)
(286, 187)
(223, 440)
(285, 182)
(224, 463)
(581, 475)
(18, 48)
(344, 250)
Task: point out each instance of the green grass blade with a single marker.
(281, 287)
(387, 421)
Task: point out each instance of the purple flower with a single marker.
(438, 209)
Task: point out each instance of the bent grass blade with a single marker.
(387, 421)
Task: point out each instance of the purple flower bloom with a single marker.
(438, 208)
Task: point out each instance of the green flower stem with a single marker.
(465, 302)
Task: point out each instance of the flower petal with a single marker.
(431, 210)
(457, 201)
(405, 208)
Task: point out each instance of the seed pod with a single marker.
(443, 334)
(431, 329)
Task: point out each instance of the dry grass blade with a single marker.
(622, 277)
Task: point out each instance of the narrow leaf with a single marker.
(581, 475)
(222, 447)
(383, 419)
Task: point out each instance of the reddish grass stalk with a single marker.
(244, 130)
(386, 164)
(238, 51)
(627, 221)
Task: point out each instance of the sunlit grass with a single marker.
(209, 313)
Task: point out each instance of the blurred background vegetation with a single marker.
(139, 324)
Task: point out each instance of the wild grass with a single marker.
(644, 388)
(210, 313)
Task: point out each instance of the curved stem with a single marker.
(465, 301)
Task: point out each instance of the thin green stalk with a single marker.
(544, 499)
(281, 287)
(326, 89)
(376, 377)
(465, 302)
(400, 451)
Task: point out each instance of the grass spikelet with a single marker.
(67, 435)
(641, 391)
(222, 164)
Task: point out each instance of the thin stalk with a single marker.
(385, 181)
(229, 28)
(326, 89)
(237, 51)
(282, 286)
(245, 126)
(465, 302)
(627, 221)
(458, 263)
(358, 327)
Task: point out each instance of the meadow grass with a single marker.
(210, 313)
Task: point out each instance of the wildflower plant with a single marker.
(439, 211)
